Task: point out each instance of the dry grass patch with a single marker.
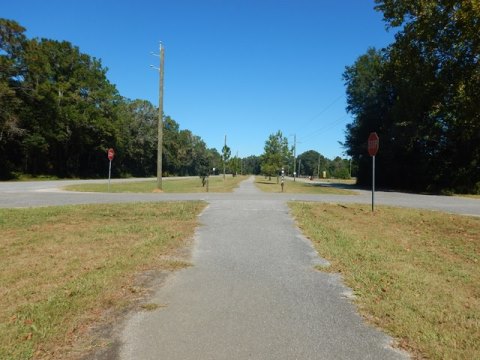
(415, 273)
(298, 187)
(187, 185)
(470, 196)
(352, 181)
(62, 267)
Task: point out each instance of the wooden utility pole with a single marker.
(160, 120)
(294, 156)
(318, 169)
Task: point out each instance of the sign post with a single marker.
(111, 155)
(373, 144)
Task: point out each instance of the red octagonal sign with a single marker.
(111, 154)
(373, 143)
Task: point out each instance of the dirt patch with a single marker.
(104, 337)
(102, 340)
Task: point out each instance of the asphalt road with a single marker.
(31, 194)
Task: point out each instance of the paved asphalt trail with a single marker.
(252, 293)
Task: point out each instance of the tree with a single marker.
(444, 35)
(276, 154)
(59, 114)
(421, 96)
(235, 165)
(216, 160)
(310, 162)
(201, 157)
(251, 165)
(313, 163)
(70, 106)
(368, 99)
(137, 142)
(339, 168)
(12, 42)
(226, 152)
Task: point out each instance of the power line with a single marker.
(324, 128)
(324, 109)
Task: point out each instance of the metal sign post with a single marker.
(109, 173)
(373, 183)
(373, 144)
(111, 155)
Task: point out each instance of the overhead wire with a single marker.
(324, 109)
(324, 128)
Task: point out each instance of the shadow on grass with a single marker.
(334, 185)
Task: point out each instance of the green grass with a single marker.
(187, 185)
(62, 267)
(415, 273)
(298, 187)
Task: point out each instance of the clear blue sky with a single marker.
(244, 68)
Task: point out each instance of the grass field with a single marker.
(62, 267)
(414, 273)
(187, 185)
(298, 187)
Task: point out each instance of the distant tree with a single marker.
(226, 152)
(339, 168)
(216, 160)
(336, 168)
(235, 165)
(309, 160)
(137, 144)
(276, 154)
(252, 164)
(201, 157)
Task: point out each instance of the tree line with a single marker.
(278, 155)
(59, 114)
(421, 95)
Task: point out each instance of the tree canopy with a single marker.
(276, 154)
(313, 164)
(59, 114)
(421, 96)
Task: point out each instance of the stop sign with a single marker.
(111, 154)
(373, 143)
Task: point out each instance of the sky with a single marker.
(240, 68)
